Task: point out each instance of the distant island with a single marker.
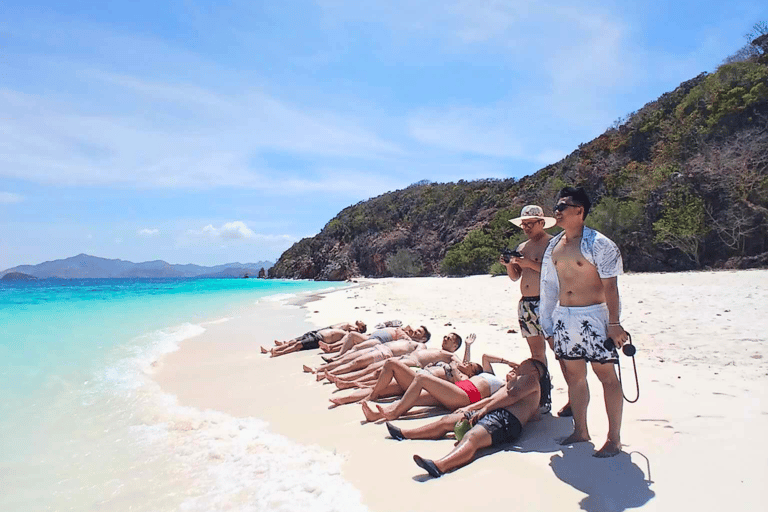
(86, 266)
(17, 276)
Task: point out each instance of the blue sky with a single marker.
(212, 132)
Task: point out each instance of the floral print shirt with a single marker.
(597, 249)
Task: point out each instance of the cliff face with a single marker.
(680, 184)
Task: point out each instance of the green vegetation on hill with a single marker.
(680, 184)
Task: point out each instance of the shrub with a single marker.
(404, 263)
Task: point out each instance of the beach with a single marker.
(692, 440)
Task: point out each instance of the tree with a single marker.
(683, 225)
(756, 47)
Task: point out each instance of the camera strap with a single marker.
(637, 382)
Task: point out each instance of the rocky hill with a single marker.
(680, 184)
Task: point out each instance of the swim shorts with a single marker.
(580, 333)
(470, 389)
(311, 340)
(528, 315)
(503, 426)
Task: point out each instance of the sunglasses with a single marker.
(560, 207)
(530, 224)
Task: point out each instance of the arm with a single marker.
(513, 270)
(488, 359)
(526, 263)
(467, 344)
(615, 330)
(523, 387)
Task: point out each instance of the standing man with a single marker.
(528, 267)
(580, 309)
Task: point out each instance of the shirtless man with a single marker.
(498, 419)
(533, 223)
(580, 310)
(358, 341)
(312, 339)
(358, 359)
(396, 375)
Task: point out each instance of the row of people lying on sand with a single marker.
(343, 336)
(395, 362)
(497, 408)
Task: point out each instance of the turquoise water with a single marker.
(81, 428)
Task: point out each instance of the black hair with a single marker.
(458, 340)
(427, 334)
(545, 382)
(477, 368)
(578, 196)
(363, 328)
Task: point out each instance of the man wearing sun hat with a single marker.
(528, 267)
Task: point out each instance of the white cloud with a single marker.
(236, 230)
(148, 232)
(10, 198)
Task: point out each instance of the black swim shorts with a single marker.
(503, 426)
(311, 340)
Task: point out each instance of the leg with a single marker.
(287, 348)
(447, 394)
(462, 454)
(392, 369)
(578, 396)
(350, 340)
(434, 430)
(614, 403)
(538, 348)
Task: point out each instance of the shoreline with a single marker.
(702, 374)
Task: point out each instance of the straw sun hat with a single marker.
(534, 212)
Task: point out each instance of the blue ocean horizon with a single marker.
(76, 409)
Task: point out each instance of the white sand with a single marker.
(693, 440)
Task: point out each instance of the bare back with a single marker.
(580, 284)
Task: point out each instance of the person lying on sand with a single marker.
(496, 420)
(426, 389)
(362, 358)
(368, 376)
(395, 375)
(312, 339)
(359, 341)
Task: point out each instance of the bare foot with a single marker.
(389, 415)
(609, 449)
(307, 369)
(370, 415)
(575, 438)
(263, 350)
(320, 376)
(566, 411)
(343, 384)
(280, 343)
(323, 345)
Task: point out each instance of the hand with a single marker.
(618, 335)
(520, 262)
(505, 263)
(475, 417)
(470, 339)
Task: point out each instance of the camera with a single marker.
(507, 254)
(628, 348)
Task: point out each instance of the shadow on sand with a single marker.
(612, 485)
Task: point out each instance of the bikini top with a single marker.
(493, 381)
